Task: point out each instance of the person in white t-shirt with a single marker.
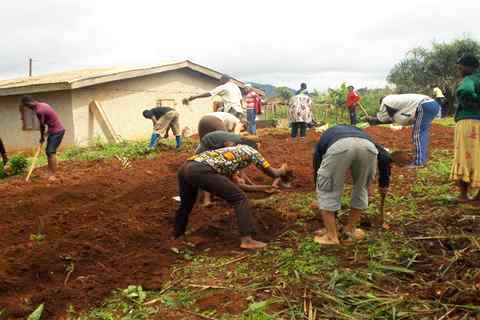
(410, 109)
(230, 94)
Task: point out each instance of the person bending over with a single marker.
(163, 118)
(407, 109)
(230, 94)
(47, 118)
(212, 171)
(341, 149)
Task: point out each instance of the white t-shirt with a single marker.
(231, 96)
(232, 123)
(405, 105)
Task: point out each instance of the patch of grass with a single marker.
(127, 304)
(17, 165)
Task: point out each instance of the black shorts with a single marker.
(53, 141)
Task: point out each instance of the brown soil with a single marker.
(114, 225)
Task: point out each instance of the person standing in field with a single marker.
(212, 171)
(441, 100)
(353, 98)
(163, 118)
(341, 149)
(230, 94)
(47, 118)
(300, 112)
(466, 162)
(251, 100)
(407, 109)
(3, 153)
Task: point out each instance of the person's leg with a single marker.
(463, 186)
(330, 185)
(224, 188)
(364, 168)
(429, 112)
(416, 137)
(3, 153)
(207, 199)
(353, 115)
(254, 121)
(188, 197)
(331, 233)
(153, 140)
(294, 129)
(175, 126)
(249, 121)
(53, 142)
(303, 129)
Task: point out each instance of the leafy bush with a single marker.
(16, 165)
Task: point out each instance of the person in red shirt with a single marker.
(251, 101)
(352, 100)
(47, 118)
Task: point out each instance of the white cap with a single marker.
(248, 85)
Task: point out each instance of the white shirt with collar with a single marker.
(405, 106)
(231, 96)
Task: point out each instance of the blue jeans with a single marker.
(251, 120)
(353, 115)
(153, 140)
(426, 112)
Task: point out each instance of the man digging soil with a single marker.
(341, 149)
(211, 171)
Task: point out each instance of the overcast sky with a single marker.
(280, 42)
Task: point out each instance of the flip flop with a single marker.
(324, 240)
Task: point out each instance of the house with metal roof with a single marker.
(121, 94)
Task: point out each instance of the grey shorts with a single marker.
(53, 142)
(357, 154)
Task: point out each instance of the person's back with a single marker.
(46, 113)
(159, 112)
(210, 123)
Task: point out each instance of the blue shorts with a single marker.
(53, 142)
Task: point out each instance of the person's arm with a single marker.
(3, 152)
(384, 169)
(203, 95)
(256, 188)
(43, 127)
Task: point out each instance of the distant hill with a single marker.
(270, 90)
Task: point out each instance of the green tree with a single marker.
(421, 69)
(285, 93)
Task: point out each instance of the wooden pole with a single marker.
(34, 161)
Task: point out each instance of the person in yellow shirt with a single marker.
(441, 100)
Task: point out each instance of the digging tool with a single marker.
(34, 160)
(381, 217)
(363, 109)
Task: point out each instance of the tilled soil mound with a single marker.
(105, 227)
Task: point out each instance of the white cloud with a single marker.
(281, 42)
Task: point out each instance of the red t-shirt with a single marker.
(352, 98)
(47, 116)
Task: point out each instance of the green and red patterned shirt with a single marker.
(228, 160)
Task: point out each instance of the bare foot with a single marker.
(207, 204)
(52, 179)
(356, 235)
(325, 240)
(249, 243)
(320, 232)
